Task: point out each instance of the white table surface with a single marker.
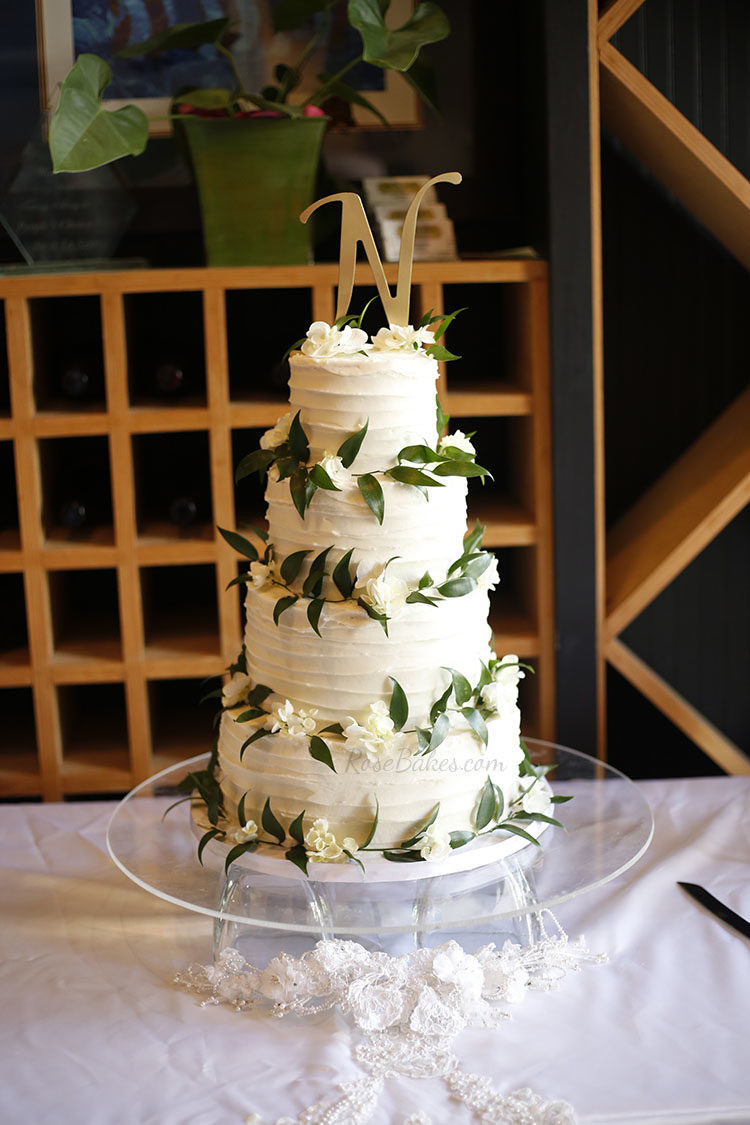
(92, 1030)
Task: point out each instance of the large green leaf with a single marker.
(396, 49)
(335, 88)
(178, 36)
(82, 134)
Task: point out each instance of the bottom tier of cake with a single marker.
(404, 787)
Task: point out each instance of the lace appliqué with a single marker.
(409, 1010)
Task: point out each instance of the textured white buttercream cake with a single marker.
(367, 695)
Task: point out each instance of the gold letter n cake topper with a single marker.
(355, 228)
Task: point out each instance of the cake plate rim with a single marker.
(293, 876)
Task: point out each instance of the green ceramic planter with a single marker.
(254, 176)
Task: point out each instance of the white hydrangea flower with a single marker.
(459, 440)
(490, 576)
(260, 574)
(386, 594)
(435, 845)
(246, 832)
(236, 689)
(321, 845)
(278, 434)
(536, 798)
(402, 337)
(502, 693)
(285, 720)
(377, 737)
(511, 673)
(334, 466)
(325, 340)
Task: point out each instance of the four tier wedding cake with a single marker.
(367, 714)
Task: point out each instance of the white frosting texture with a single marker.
(344, 672)
(407, 787)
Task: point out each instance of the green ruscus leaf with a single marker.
(370, 488)
(290, 567)
(281, 605)
(299, 447)
(349, 449)
(240, 544)
(270, 823)
(422, 829)
(399, 706)
(369, 838)
(237, 851)
(319, 750)
(204, 840)
(407, 474)
(314, 611)
(254, 462)
(298, 856)
(462, 689)
(298, 489)
(487, 810)
(342, 577)
(296, 830)
(321, 479)
(441, 418)
(477, 723)
(441, 704)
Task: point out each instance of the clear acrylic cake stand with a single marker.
(608, 826)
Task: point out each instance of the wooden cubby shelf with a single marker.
(116, 607)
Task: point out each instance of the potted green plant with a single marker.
(254, 156)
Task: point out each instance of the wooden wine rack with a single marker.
(703, 491)
(112, 631)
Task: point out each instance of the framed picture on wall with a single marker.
(68, 28)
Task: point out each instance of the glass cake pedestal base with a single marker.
(607, 827)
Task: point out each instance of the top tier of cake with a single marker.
(393, 394)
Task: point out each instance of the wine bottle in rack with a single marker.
(168, 379)
(75, 513)
(75, 381)
(183, 511)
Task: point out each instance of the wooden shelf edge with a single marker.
(506, 401)
(676, 152)
(190, 279)
(681, 513)
(682, 713)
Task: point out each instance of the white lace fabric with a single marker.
(408, 1009)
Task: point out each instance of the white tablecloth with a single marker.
(93, 1031)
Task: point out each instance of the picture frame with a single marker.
(149, 82)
